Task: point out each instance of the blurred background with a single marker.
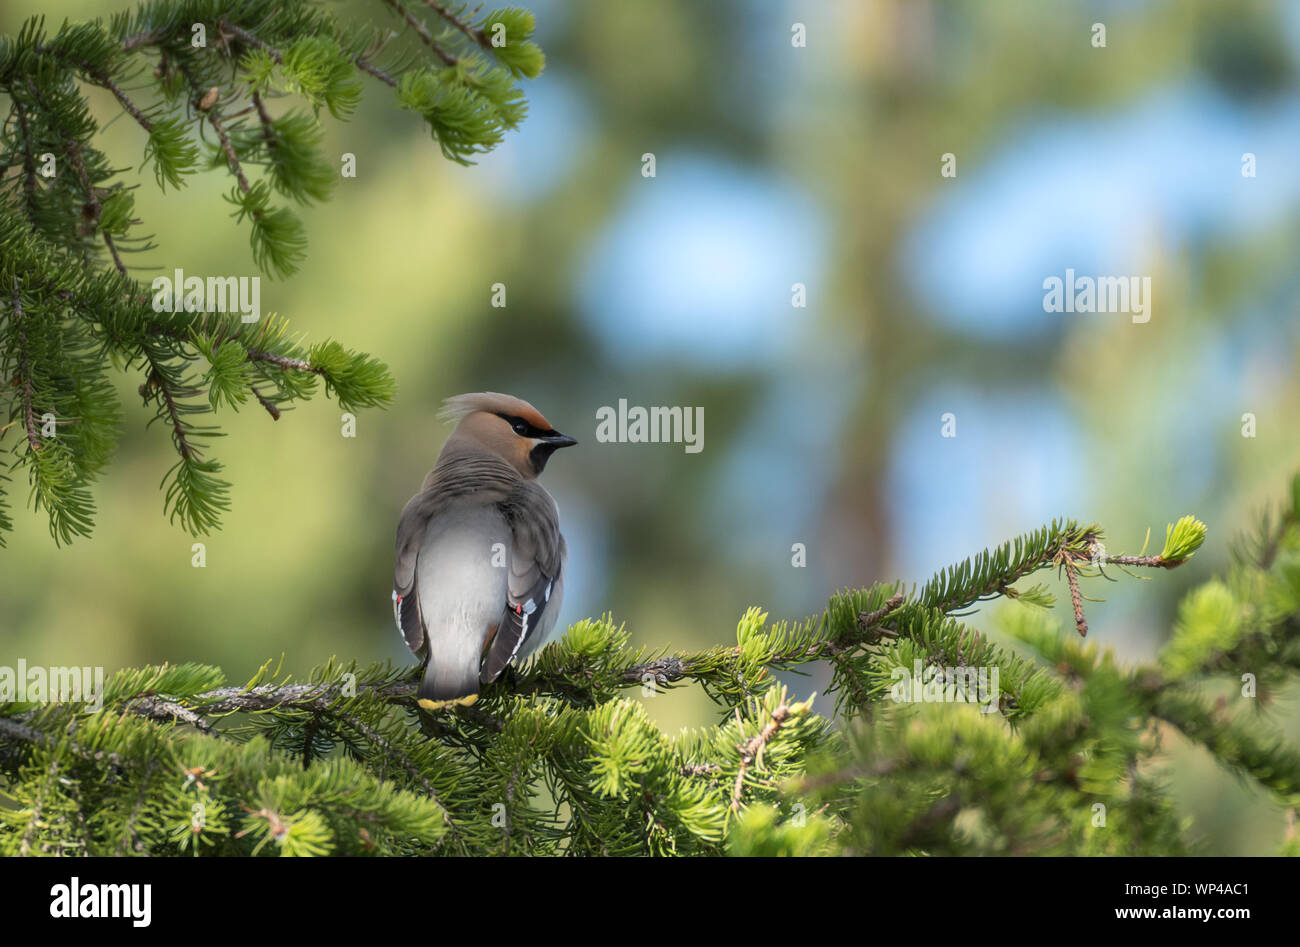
(775, 165)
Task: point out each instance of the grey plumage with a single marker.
(479, 574)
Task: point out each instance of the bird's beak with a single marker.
(558, 440)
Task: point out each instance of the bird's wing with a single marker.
(535, 583)
(406, 598)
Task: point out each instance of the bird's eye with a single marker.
(520, 428)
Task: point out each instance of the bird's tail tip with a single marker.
(465, 701)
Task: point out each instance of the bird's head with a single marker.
(506, 426)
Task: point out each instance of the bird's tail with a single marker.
(445, 686)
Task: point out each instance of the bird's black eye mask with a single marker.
(548, 441)
(522, 427)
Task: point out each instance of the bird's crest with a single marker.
(453, 409)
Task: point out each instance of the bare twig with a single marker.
(1076, 599)
(94, 208)
(700, 769)
(869, 620)
(160, 708)
(156, 381)
(104, 80)
(283, 361)
(132, 43)
(226, 26)
(271, 407)
(231, 158)
(368, 67)
(1150, 562)
(752, 752)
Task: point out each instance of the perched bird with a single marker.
(480, 559)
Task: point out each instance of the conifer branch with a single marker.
(268, 127)
(476, 35)
(403, 760)
(1150, 562)
(371, 69)
(271, 407)
(1076, 599)
(102, 79)
(1272, 537)
(232, 159)
(284, 361)
(869, 620)
(29, 836)
(14, 730)
(162, 709)
(629, 788)
(727, 668)
(24, 370)
(422, 31)
(29, 158)
(63, 236)
(157, 386)
(141, 40)
(225, 26)
(752, 752)
(94, 208)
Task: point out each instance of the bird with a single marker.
(479, 571)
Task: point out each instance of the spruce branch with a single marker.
(28, 158)
(15, 730)
(66, 239)
(422, 31)
(224, 26)
(270, 406)
(24, 370)
(101, 78)
(371, 69)
(621, 786)
(237, 169)
(1274, 534)
(1076, 598)
(140, 40)
(475, 34)
(869, 620)
(569, 672)
(516, 53)
(1235, 743)
(94, 208)
(158, 386)
(751, 754)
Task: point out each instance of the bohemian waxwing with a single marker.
(480, 558)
